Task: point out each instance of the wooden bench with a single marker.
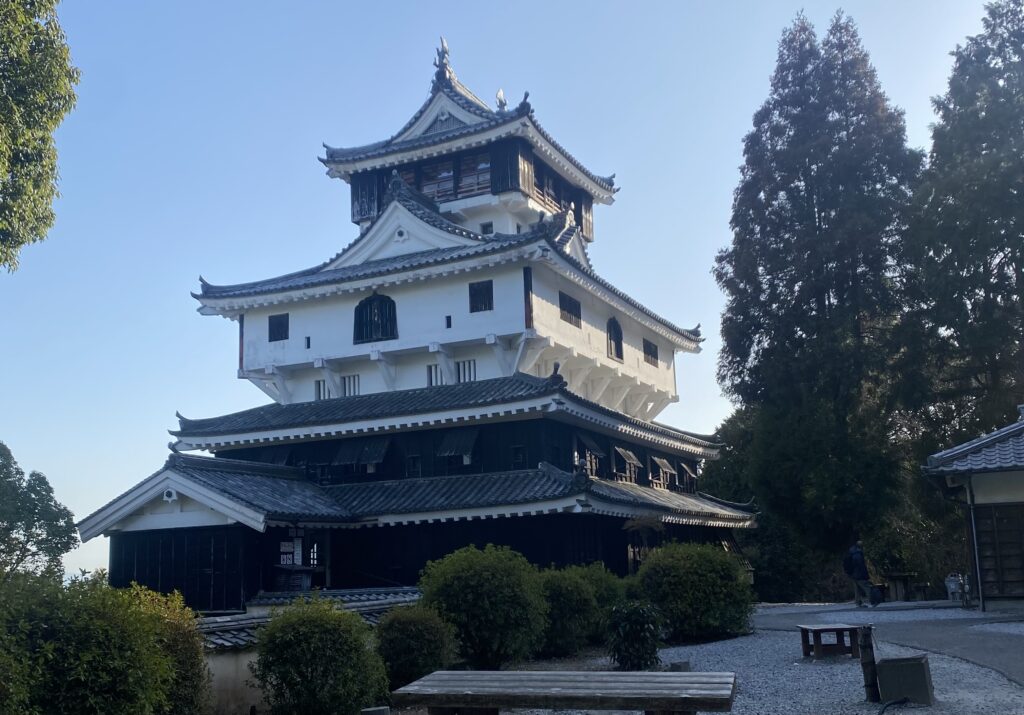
(484, 692)
(843, 633)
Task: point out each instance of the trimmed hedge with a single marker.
(572, 612)
(633, 630)
(609, 591)
(701, 591)
(317, 659)
(494, 598)
(414, 641)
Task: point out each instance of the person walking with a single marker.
(857, 569)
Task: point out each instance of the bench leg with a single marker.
(805, 642)
(462, 711)
(854, 645)
(818, 650)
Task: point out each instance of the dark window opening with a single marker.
(437, 181)
(518, 453)
(413, 466)
(308, 342)
(627, 465)
(475, 174)
(614, 340)
(570, 309)
(487, 228)
(650, 353)
(277, 327)
(447, 321)
(375, 319)
(481, 296)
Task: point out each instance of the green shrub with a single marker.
(179, 638)
(494, 599)
(572, 611)
(314, 658)
(609, 591)
(701, 591)
(414, 641)
(97, 650)
(633, 630)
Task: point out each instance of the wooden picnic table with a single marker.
(484, 692)
(842, 631)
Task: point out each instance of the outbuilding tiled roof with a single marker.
(276, 492)
(691, 505)
(373, 406)
(406, 496)
(999, 451)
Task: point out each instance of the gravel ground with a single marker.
(773, 679)
(1015, 629)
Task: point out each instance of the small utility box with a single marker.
(906, 678)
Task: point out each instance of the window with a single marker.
(650, 353)
(321, 390)
(437, 181)
(314, 554)
(614, 340)
(465, 370)
(447, 321)
(487, 228)
(519, 228)
(376, 319)
(518, 454)
(349, 385)
(413, 466)
(592, 453)
(434, 375)
(475, 175)
(481, 296)
(570, 309)
(277, 327)
(626, 464)
(309, 343)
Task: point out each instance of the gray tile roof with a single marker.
(406, 496)
(237, 632)
(276, 492)
(373, 406)
(999, 451)
(693, 505)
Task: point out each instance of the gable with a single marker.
(576, 249)
(441, 114)
(397, 232)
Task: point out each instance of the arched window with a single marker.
(614, 339)
(376, 319)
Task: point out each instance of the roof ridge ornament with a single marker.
(502, 103)
(444, 75)
(524, 106)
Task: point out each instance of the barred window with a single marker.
(614, 340)
(650, 353)
(481, 296)
(277, 327)
(375, 319)
(570, 309)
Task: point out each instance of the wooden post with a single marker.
(867, 664)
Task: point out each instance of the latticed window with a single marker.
(475, 174)
(376, 319)
(570, 309)
(614, 340)
(650, 353)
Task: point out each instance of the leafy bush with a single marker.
(494, 599)
(609, 591)
(179, 638)
(316, 659)
(701, 591)
(572, 611)
(633, 636)
(98, 653)
(414, 641)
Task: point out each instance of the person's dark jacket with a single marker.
(858, 566)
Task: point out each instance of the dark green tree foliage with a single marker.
(98, 651)
(633, 630)
(572, 611)
(36, 92)
(494, 598)
(609, 591)
(701, 591)
(314, 658)
(414, 641)
(35, 529)
(178, 637)
(965, 251)
(811, 296)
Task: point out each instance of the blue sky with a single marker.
(193, 151)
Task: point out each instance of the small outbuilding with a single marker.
(987, 474)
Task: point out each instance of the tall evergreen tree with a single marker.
(812, 299)
(965, 250)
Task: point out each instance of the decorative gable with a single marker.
(397, 232)
(441, 114)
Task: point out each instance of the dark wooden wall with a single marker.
(1000, 531)
(214, 568)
